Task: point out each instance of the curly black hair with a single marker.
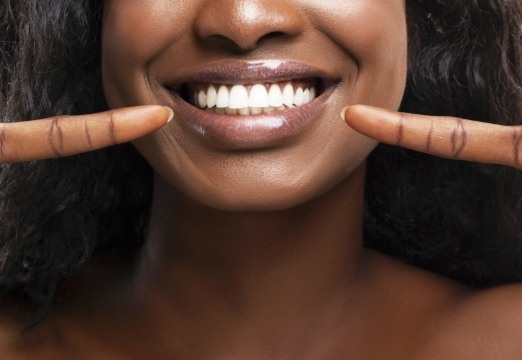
(461, 220)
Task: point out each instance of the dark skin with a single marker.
(250, 274)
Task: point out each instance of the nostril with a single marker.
(242, 25)
(272, 36)
(223, 42)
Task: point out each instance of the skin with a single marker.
(229, 271)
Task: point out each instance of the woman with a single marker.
(253, 246)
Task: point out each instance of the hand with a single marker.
(446, 137)
(68, 135)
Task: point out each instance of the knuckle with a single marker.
(429, 137)
(55, 139)
(400, 129)
(459, 138)
(516, 142)
(111, 128)
(87, 133)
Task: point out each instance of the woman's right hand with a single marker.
(68, 135)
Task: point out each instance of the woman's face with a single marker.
(249, 134)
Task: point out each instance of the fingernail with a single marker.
(171, 113)
(343, 112)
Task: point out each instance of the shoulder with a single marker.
(458, 322)
(486, 324)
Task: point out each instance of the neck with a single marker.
(212, 265)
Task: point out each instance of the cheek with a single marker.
(374, 35)
(133, 32)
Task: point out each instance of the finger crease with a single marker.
(429, 139)
(87, 133)
(400, 131)
(55, 137)
(517, 138)
(112, 133)
(459, 138)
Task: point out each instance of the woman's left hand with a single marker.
(447, 137)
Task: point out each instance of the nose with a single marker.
(244, 24)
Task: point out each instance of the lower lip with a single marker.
(249, 132)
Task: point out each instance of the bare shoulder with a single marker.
(487, 324)
(458, 322)
(495, 311)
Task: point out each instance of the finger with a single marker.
(447, 137)
(68, 135)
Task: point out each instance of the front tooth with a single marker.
(288, 95)
(258, 96)
(238, 97)
(268, 109)
(202, 99)
(275, 96)
(222, 97)
(211, 96)
(312, 93)
(230, 111)
(298, 98)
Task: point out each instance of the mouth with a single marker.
(251, 104)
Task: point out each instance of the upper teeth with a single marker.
(254, 99)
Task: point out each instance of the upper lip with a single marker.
(250, 72)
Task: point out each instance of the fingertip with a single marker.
(170, 113)
(343, 112)
(153, 115)
(353, 113)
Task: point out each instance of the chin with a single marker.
(252, 200)
(256, 192)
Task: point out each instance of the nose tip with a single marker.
(244, 24)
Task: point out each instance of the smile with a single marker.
(246, 105)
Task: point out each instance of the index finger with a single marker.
(68, 135)
(447, 137)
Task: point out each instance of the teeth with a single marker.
(244, 111)
(211, 96)
(298, 98)
(275, 96)
(256, 110)
(238, 97)
(306, 96)
(222, 97)
(258, 99)
(202, 99)
(288, 95)
(258, 96)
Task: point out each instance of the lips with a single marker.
(247, 105)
